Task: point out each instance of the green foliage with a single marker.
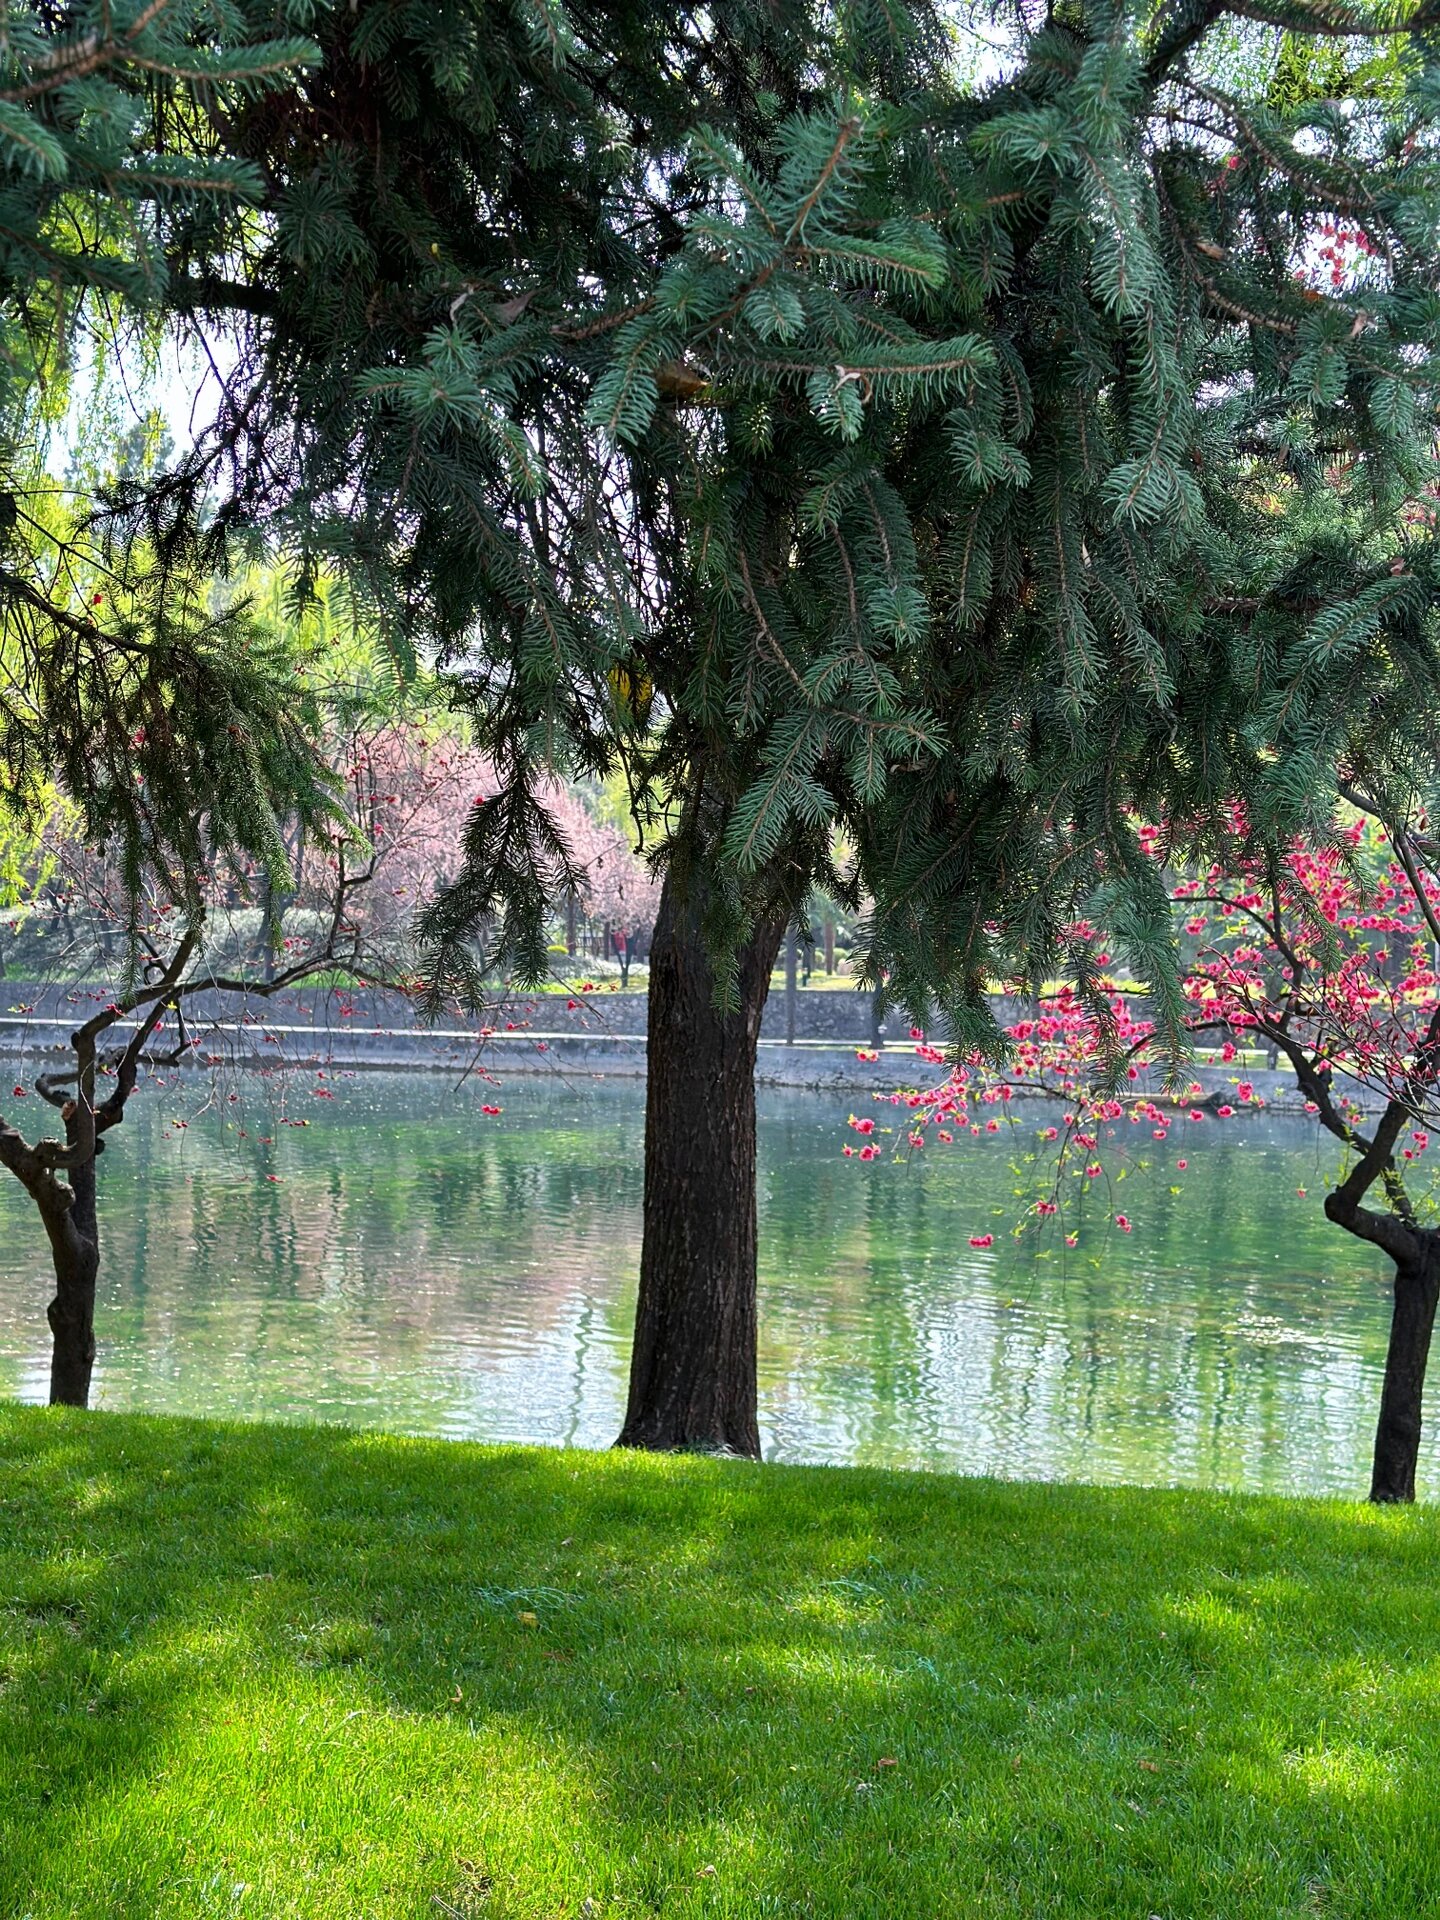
(972, 455)
(168, 717)
(162, 713)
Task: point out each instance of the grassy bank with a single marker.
(264, 1672)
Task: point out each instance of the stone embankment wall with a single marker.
(590, 1034)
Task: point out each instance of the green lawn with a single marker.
(260, 1671)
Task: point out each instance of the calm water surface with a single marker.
(405, 1261)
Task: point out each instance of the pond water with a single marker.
(406, 1261)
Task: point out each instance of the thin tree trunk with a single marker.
(267, 932)
(1397, 1434)
(692, 1371)
(75, 1253)
(792, 959)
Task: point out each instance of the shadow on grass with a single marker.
(273, 1671)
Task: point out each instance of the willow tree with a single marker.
(837, 430)
(154, 704)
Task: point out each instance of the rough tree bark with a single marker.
(692, 1372)
(74, 1236)
(1397, 1433)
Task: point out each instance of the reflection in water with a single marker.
(405, 1261)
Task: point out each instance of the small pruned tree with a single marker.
(189, 961)
(60, 1175)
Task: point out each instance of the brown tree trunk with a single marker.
(1397, 1434)
(75, 1253)
(692, 1370)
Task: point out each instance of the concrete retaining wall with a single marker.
(600, 1035)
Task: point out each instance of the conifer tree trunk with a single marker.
(692, 1371)
(1397, 1434)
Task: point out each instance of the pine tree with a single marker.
(964, 451)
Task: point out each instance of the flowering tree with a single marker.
(617, 886)
(1326, 960)
(407, 794)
